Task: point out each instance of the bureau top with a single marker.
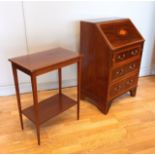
(100, 20)
(117, 32)
(41, 60)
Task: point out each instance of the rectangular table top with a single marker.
(41, 60)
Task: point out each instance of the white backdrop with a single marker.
(50, 24)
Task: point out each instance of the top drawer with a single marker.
(127, 54)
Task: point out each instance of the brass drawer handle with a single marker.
(134, 52)
(121, 57)
(119, 72)
(132, 66)
(117, 88)
(130, 81)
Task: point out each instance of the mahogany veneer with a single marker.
(50, 107)
(112, 51)
(37, 64)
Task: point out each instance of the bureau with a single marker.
(112, 51)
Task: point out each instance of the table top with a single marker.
(40, 60)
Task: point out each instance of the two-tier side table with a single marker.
(40, 63)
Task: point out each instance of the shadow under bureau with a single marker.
(112, 51)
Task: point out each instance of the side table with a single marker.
(40, 63)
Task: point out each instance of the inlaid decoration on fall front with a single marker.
(112, 51)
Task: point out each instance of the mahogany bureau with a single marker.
(112, 51)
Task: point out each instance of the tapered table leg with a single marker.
(78, 88)
(15, 75)
(60, 80)
(36, 105)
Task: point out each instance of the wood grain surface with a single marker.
(108, 46)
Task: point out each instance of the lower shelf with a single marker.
(50, 107)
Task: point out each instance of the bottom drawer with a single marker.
(123, 86)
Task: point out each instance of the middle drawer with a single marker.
(125, 69)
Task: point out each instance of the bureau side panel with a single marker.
(87, 50)
(95, 66)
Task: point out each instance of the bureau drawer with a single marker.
(123, 86)
(126, 54)
(125, 69)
